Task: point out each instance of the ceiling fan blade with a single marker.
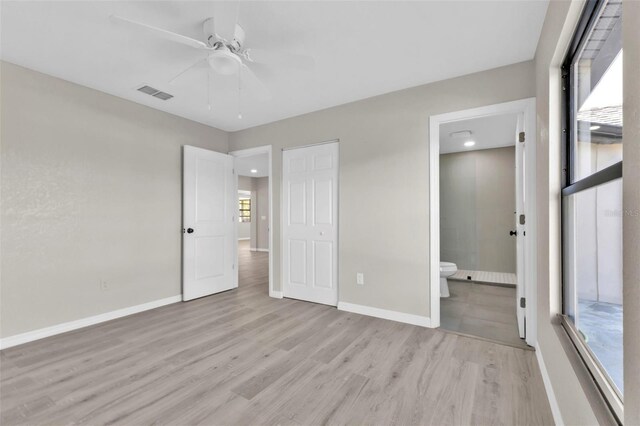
(168, 35)
(281, 59)
(262, 72)
(252, 84)
(201, 63)
(225, 20)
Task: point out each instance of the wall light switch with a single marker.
(360, 278)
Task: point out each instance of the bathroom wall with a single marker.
(477, 201)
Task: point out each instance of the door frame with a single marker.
(528, 108)
(249, 152)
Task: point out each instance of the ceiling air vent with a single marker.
(155, 93)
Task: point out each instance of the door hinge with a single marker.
(523, 302)
(233, 266)
(522, 219)
(521, 136)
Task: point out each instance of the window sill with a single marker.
(604, 412)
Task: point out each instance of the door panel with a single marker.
(310, 228)
(298, 262)
(209, 210)
(323, 201)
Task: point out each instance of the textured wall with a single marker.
(477, 201)
(91, 192)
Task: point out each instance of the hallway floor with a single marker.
(481, 310)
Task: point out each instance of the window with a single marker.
(245, 210)
(592, 195)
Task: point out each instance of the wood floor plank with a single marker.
(243, 358)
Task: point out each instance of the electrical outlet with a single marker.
(103, 285)
(360, 278)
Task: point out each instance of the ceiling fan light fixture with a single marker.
(224, 62)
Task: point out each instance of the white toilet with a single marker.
(446, 270)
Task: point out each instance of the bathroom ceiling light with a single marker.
(594, 127)
(469, 143)
(254, 171)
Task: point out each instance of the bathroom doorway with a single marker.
(483, 183)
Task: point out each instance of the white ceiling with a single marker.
(487, 132)
(361, 49)
(259, 162)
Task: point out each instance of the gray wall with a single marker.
(384, 163)
(261, 188)
(477, 201)
(91, 191)
(579, 403)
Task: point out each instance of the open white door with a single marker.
(209, 229)
(520, 226)
(310, 223)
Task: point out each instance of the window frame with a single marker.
(588, 18)
(242, 201)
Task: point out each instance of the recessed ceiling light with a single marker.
(254, 171)
(469, 143)
(594, 127)
(461, 134)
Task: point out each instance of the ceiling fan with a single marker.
(226, 53)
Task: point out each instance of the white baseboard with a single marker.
(553, 402)
(276, 294)
(30, 336)
(258, 249)
(243, 239)
(385, 314)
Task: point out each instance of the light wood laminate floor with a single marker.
(243, 358)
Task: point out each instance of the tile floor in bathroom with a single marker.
(481, 310)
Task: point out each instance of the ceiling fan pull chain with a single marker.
(239, 93)
(209, 89)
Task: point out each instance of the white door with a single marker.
(209, 208)
(520, 221)
(310, 223)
